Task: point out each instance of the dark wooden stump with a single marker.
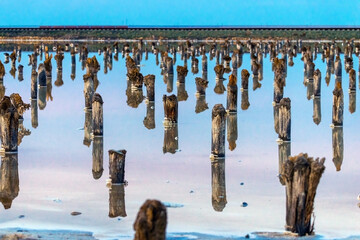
(9, 123)
(59, 79)
(201, 85)
(232, 92)
(218, 196)
(338, 105)
(117, 201)
(219, 86)
(232, 130)
(149, 120)
(338, 147)
(170, 109)
(285, 119)
(97, 115)
(9, 184)
(149, 81)
(48, 67)
(301, 175)
(218, 132)
(97, 157)
(117, 166)
(151, 220)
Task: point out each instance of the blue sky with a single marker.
(184, 12)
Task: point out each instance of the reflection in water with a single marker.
(232, 130)
(87, 127)
(9, 179)
(338, 147)
(34, 113)
(117, 200)
(317, 110)
(149, 120)
(218, 196)
(284, 153)
(98, 156)
(352, 102)
(171, 141)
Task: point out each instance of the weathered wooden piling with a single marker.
(169, 65)
(317, 83)
(169, 80)
(310, 90)
(18, 103)
(284, 154)
(219, 86)
(204, 63)
(201, 104)
(170, 109)
(149, 120)
(182, 94)
(219, 71)
(117, 166)
(42, 97)
(20, 72)
(9, 122)
(59, 79)
(338, 70)
(194, 65)
(87, 127)
(48, 67)
(2, 71)
(97, 157)
(338, 147)
(136, 78)
(352, 80)
(34, 113)
(245, 79)
(9, 179)
(151, 220)
(352, 102)
(134, 95)
(232, 129)
(42, 75)
(232, 94)
(171, 139)
(88, 90)
(149, 81)
(317, 110)
(201, 85)
(245, 99)
(338, 105)
(73, 65)
(181, 73)
(218, 186)
(97, 115)
(285, 119)
(301, 175)
(117, 201)
(310, 68)
(218, 132)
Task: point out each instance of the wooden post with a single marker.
(134, 95)
(352, 102)
(169, 79)
(97, 115)
(352, 80)
(201, 85)
(310, 90)
(227, 60)
(59, 80)
(117, 166)
(170, 109)
(201, 104)
(2, 71)
(87, 127)
(42, 97)
(34, 113)
(310, 68)
(219, 71)
(9, 122)
(151, 220)
(338, 70)
(149, 81)
(21, 72)
(317, 83)
(317, 110)
(42, 75)
(218, 186)
(204, 64)
(169, 65)
(88, 90)
(245, 99)
(18, 103)
(284, 154)
(136, 78)
(97, 157)
(232, 129)
(218, 132)
(48, 67)
(279, 79)
(117, 201)
(9, 179)
(232, 92)
(301, 175)
(245, 79)
(181, 73)
(338, 105)
(73, 65)
(34, 86)
(171, 139)
(59, 59)
(182, 94)
(149, 120)
(338, 147)
(285, 119)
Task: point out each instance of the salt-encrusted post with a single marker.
(117, 166)
(338, 105)
(285, 119)
(201, 85)
(97, 115)
(97, 157)
(149, 81)
(352, 80)
(232, 93)
(218, 186)
(9, 184)
(9, 122)
(301, 175)
(151, 220)
(338, 147)
(170, 109)
(218, 132)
